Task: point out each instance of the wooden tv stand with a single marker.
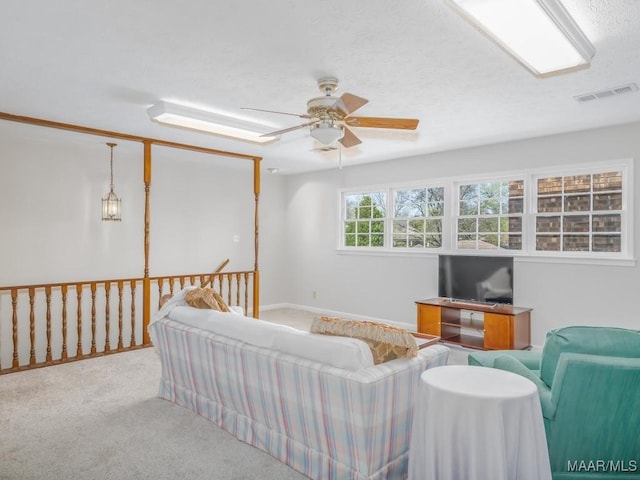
(476, 325)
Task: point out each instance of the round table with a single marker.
(477, 423)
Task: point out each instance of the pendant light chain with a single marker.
(111, 145)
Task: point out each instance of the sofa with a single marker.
(318, 403)
(588, 379)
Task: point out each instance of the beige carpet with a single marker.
(100, 419)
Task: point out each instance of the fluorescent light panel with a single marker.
(195, 119)
(540, 34)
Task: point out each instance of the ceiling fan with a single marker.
(329, 117)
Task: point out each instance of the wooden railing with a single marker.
(53, 323)
(235, 287)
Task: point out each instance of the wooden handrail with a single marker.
(68, 284)
(114, 280)
(217, 270)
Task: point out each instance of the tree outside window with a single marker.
(490, 215)
(417, 217)
(364, 219)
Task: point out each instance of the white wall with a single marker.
(51, 185)
(386, 287)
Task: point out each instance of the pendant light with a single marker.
(111, 207)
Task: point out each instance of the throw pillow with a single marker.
(385, 341)
(222, 305)
(164, 299)
(202, 298)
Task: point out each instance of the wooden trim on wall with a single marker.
(256, 278)
(122, 136)
(146, 284)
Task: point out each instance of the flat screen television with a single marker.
(476, 278)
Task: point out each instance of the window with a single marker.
(490, 215)
(417, 217)
(364, 219)
(579, 213)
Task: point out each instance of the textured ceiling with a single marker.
(102, 63)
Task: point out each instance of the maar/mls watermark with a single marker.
(603, 466)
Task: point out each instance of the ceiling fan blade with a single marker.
(273, 111)
(381, 122)
(290, 129)
(348, 103)
(349, 139)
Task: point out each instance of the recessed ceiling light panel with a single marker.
(540, 34)
(204, 121)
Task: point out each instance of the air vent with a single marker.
(611, 92)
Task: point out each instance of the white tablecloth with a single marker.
(477, 423)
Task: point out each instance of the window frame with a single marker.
(344, 219)
(528, 252)
(455, 215)
(626, 213)
(392, 218)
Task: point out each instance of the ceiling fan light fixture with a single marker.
(195, 119)
(327, 132)
(111, 204)
(540, 34)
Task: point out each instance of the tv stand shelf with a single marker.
(476, 325)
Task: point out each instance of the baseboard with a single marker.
(275, 306)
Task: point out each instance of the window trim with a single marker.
(528, 252)
(384, 219)
(456, 209)
(626, 227)
(392, 218)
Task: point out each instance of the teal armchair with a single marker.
(588, 379)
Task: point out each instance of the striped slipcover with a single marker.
(324, 422)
